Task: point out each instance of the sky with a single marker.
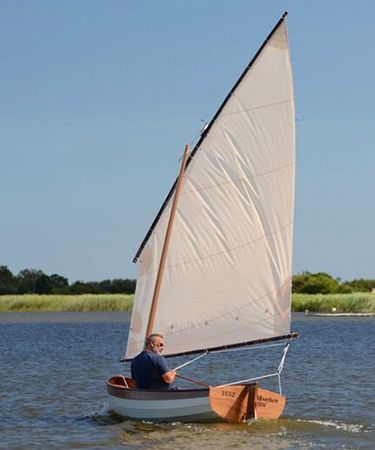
(98, 99)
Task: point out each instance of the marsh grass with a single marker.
(358, 302)
(85, 303)
(347, 303)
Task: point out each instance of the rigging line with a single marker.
(281, 365)
(193, 381)
(256, 347)
(280, 389)
(191, 361)
(276, 374)
(250, 379)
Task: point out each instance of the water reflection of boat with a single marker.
(222, 279)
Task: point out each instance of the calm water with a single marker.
(53, 369)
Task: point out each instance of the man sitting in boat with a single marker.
(149, 369)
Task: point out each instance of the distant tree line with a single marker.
(323, 283)
(31, 281)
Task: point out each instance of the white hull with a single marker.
(184, 410)
(237, 403)
(235, 217)
(183, 405)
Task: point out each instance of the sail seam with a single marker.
(211, 124)
(264, 236)
(234, 180)
(232, 311)
(188, 329)
(255, 108)
(240, 308)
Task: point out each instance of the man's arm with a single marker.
(169, 377)
(166, 373)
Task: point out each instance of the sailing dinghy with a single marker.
(215, 266)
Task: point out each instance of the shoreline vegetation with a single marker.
(66, 303)
(359, 302)
(356, 302)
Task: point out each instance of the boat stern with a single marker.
(241, 403)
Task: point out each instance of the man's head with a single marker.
(155, 343)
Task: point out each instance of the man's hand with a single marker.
(169, 377)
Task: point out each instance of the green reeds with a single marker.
(358, 302)
(346, 303)
(86, 303)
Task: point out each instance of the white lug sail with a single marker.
(228, 271)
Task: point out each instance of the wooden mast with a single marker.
(167, 239)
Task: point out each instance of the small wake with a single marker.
(103, 416)
(349, 427)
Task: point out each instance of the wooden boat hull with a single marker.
(238, 403)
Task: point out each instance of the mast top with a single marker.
(204, 133)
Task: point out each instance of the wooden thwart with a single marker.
(121, 380)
